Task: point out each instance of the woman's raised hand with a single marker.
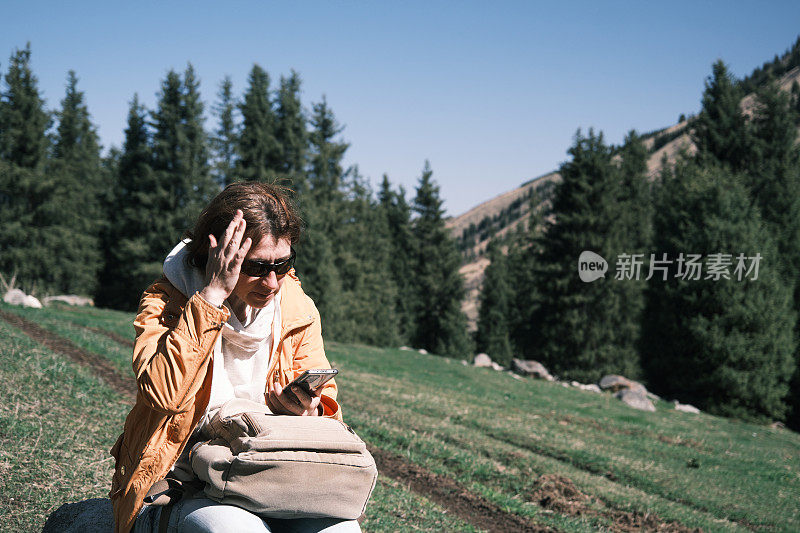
(225, 260)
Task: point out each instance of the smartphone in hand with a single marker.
(312, 380)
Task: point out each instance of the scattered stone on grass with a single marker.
(616, 383)
(70, 299)
(686, 408)
(482, 361)
(423, 351)
(497, 366)
(17, 297)
(95, 515)
(531, 368)
(405, 348)
(635, 399)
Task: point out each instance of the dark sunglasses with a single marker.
(257, 269)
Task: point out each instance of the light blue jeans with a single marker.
(201, 515)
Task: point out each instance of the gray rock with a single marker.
(591, 387)
(89, 516)
(405, 348)
(686, 408)
(17, 297)
(635, 399)
(530, 368)
(482, 361)
(32, 301)
(497, 366)
(616, 383)
(14, 297)
(71, 299)
(423, 351)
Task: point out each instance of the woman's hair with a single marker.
(267, 210)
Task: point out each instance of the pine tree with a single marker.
(225, 139)
(23, 148)
(397, 214)
(724, 345)
(199, 185)
(326, 154)
(581, 329)
(633, 237)
(131, 262)
(79, 181)
(324, 210)
(496, 299)
(183, 183)
(258, 149)
(440, 325)
(774, 182)
(363, 258)
(23, 119)
(522, 263)
(290, 131)
(720, 132)
(168, 143)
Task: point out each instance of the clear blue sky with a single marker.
(490, 92)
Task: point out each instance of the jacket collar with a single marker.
(296, 308)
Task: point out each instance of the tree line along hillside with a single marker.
(76, 220)
(701, 296)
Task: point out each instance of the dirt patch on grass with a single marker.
(119, 339)
(448, 493)
(101, 368)
(559, 494)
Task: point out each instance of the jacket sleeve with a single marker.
(174, 341)
(310, 354)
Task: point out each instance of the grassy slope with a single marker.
(493, 433)
(57, 423)
(496, 434)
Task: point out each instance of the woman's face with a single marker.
(257, 292)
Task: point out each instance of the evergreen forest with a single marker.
(74, 220)
(702, 294)
(701, 300)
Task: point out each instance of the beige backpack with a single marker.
(284, 466)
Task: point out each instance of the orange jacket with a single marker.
(172, 359)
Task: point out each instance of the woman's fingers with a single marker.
(236, 237)
(225, 258)
(242, 253)
(289, 402)
(284, 403)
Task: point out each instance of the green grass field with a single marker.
(560, 457)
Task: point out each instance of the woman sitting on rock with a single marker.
(227, 320)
